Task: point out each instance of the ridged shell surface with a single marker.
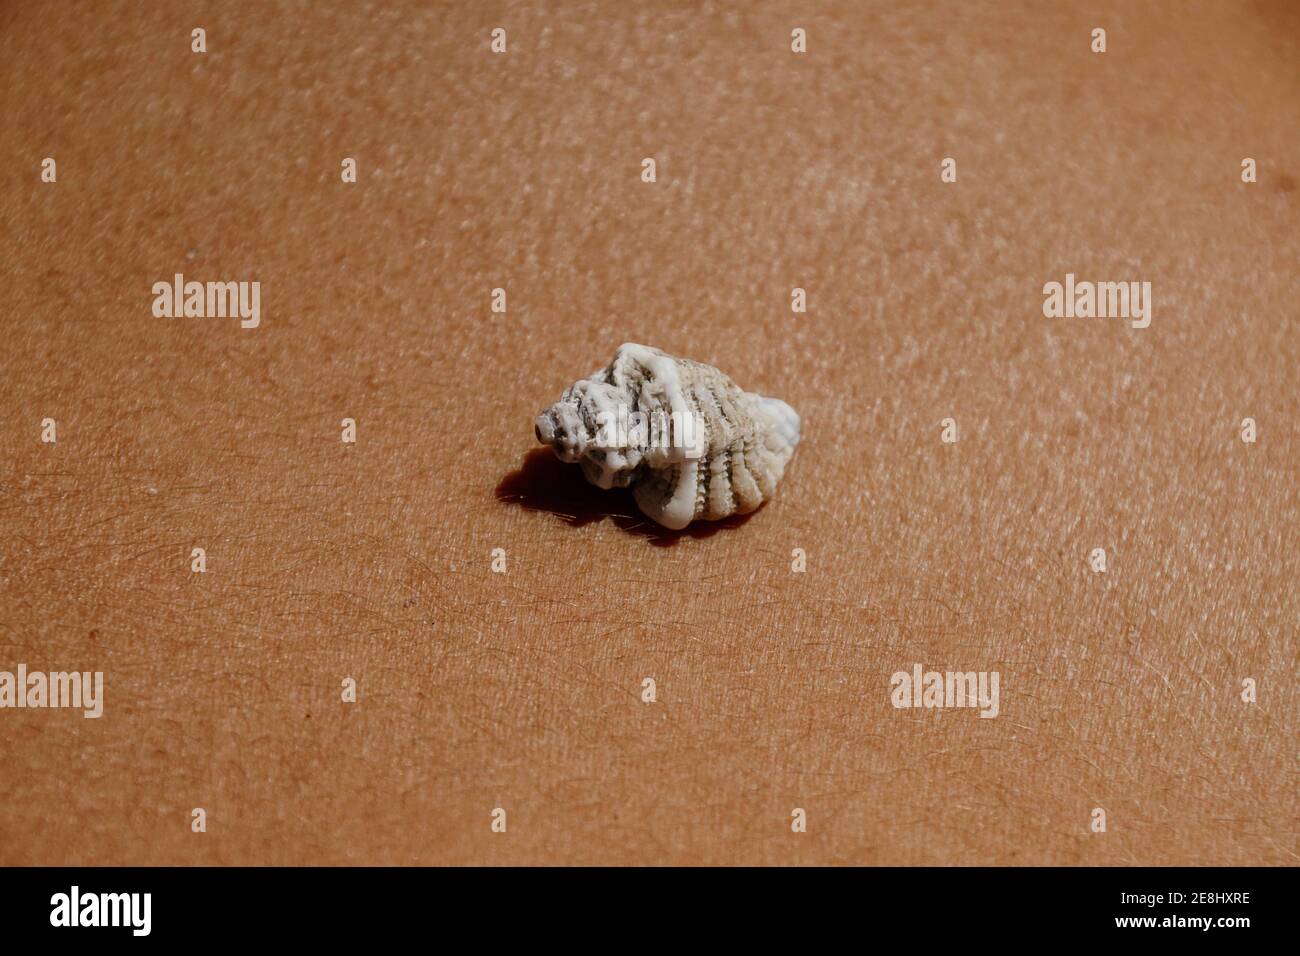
(687, 441)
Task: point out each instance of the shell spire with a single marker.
(686, 439)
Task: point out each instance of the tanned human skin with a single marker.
(523, 690)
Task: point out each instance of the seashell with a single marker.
(687, 441)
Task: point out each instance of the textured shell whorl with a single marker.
(687, 441)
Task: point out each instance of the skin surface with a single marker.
(522, 690)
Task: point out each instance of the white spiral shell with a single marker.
(687, 441)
